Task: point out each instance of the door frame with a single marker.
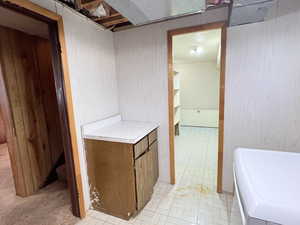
(64, 98)
(217, 25)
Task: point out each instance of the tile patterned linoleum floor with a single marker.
(193, 200)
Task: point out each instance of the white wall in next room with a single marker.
(199, 93)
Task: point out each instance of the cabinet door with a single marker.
(144, 181)
(154, 158)
(111, 177)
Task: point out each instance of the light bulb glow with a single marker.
(196, 51)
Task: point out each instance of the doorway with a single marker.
(37, 115)
(196, 78)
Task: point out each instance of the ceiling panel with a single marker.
(26, 24)
(208, 42)
(144, 11)
(251, 11)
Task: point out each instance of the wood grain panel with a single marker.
(152, 137)
(171, 107)
(154, 158)
(111, 177)
(140, 147)
(221, 110)
(10, 133)
(2, 129)
(29, 99)
(77, 197)
(66, 108)
(10, 70)
(33, 131)
(144, 181)
(48, 93)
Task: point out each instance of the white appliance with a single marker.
(267, 185)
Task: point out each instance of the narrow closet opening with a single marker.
(33, 180)
(196, 94)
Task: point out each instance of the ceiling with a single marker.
(18, 21)
(208, 41)
(145, 11)
(101, 12)
(120, 14)
(251, 11)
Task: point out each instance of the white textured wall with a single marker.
(199, 117)
(92, 73)
(199, 85)
(262, 102)
(263, 72)
(141, 59)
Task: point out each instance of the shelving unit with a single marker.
(176, 102)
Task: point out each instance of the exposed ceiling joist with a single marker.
(110, 14)
(77, 4)
(92, 4)
(100, 19)
(115, 22)
(102, 13)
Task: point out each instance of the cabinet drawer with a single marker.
(140, 147)
(152, 136)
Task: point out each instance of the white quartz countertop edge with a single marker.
(103, 130)
(119, 140)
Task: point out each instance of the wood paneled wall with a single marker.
(47, 84)
(2, 130)
(28, 77)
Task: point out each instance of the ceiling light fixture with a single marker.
(196, 51)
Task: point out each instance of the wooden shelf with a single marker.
(176, 99)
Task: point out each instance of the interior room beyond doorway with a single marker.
(196, 65)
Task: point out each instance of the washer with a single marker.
(267, 186)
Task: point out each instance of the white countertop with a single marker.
(114, 129)
(269, 184)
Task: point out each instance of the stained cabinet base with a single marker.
(122, 176)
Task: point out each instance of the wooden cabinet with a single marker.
(154, 158)
(122, 175)
(2, 130)
(144, 184)
(140, 147)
